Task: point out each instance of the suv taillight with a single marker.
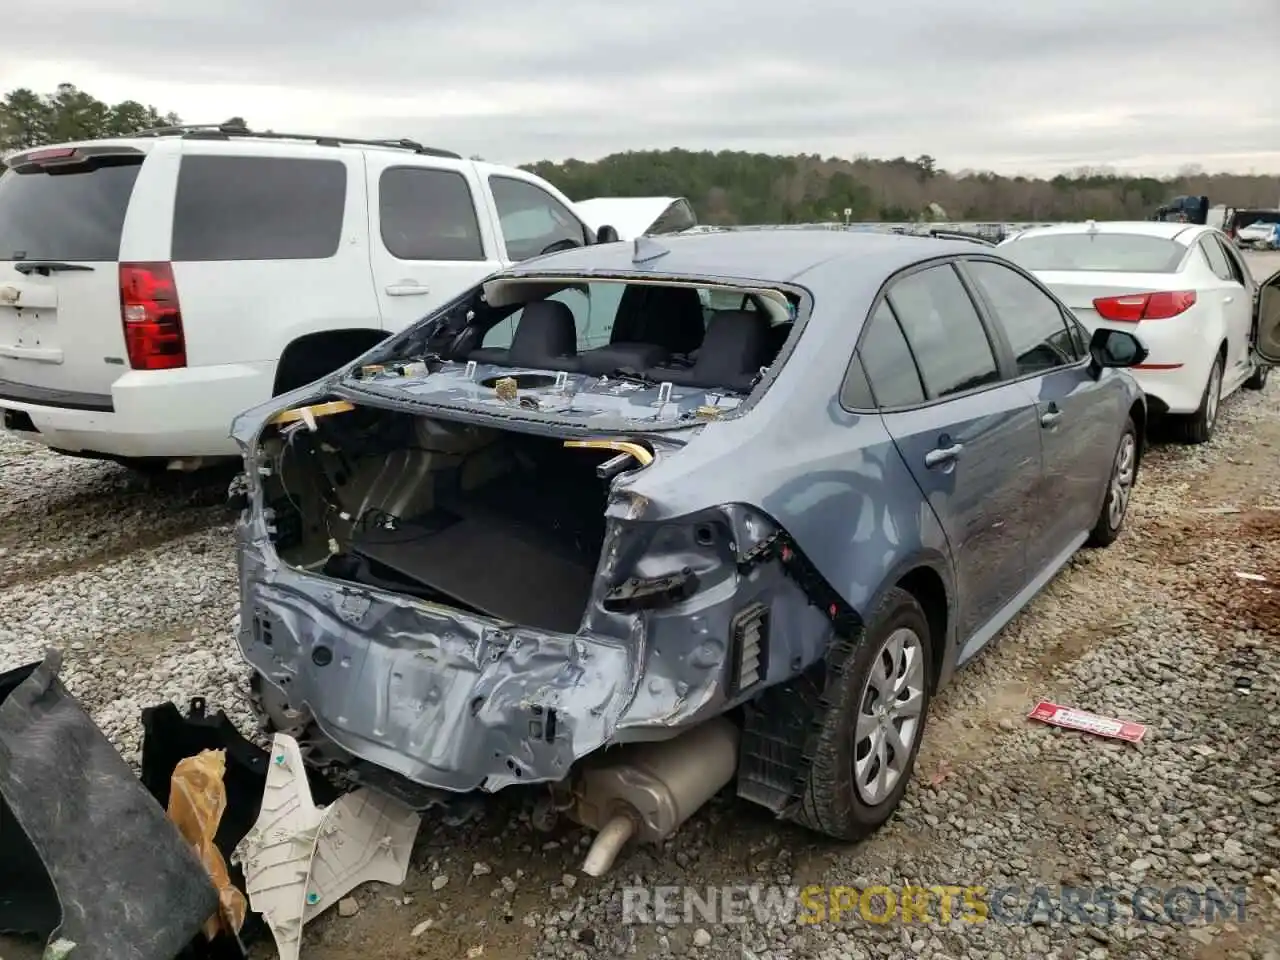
(152, 317)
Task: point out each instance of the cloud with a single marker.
(1010, 85)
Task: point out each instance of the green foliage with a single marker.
(30, 119)
(737, 188)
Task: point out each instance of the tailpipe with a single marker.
(647, 790)
(608, 844)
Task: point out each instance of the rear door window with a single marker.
(428, 214)
(73, 214)
(1217, 259)
(888, 363)
(1234, 263)
(1033, 323)
(258, 208)
(944, 331)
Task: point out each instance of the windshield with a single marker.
(1096, 252)
(65, 214)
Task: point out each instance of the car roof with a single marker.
(265, 141)
(769, 256)
(1184, 233)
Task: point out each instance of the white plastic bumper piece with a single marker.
(300, 859)
(365, 836)
(279, 849)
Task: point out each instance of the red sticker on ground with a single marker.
(1072, 719)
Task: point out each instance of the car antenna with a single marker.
(646, 249)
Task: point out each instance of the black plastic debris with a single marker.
(169, 737)
(28, 903)
(124, 882)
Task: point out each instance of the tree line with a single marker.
(736, 187)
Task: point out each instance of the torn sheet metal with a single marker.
(197, 800)
(279, 848)
(365, 836)
(101, 839)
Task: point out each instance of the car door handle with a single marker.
(1050, 417)
(941, 455)
(1228, 299)
(407, 289)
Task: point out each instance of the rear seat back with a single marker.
(652, 324)
(545, 337)
(736, 346)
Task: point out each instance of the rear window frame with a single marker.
(91, 165)
(1170, 265)
(417, 335)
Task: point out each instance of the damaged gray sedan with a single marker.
(634, 522)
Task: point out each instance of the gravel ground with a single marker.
(136, 581)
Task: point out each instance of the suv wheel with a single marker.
(870, 733)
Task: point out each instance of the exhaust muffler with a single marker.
(647, 790)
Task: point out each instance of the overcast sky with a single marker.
(1034, 86)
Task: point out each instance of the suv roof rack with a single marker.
(225, 131)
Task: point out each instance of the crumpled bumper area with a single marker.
(445, 700)
(89, 856)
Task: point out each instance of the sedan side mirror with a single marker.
(607, 234)
(1116, 348)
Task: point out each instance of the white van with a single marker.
(153, 287)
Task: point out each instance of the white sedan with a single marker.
(1183, 288)
(1261, 233)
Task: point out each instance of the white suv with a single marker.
(154, 287)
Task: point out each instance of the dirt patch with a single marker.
(114, 548)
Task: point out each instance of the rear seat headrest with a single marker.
(544, 335)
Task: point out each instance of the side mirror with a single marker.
(1116, 348)
(607, 234)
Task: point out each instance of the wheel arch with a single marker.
(308, 352)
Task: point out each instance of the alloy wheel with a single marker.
(890, 716)
(1122, 474)
(1214, 395)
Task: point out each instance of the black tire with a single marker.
(1108, 526)
(1199, 426)
(831, 803)
(1258, 381)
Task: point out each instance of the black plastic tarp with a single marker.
(88, 854)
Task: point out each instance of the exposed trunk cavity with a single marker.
(492, 522)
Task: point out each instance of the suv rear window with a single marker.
(72, 214)
(258, 208)
(1096, 252)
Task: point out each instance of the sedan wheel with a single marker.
(1198, 427)
(889, 717)
(1122, 475)
(1213, 396)
(1115, 502)
(871, 704)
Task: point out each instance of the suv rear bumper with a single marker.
(149, 413)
